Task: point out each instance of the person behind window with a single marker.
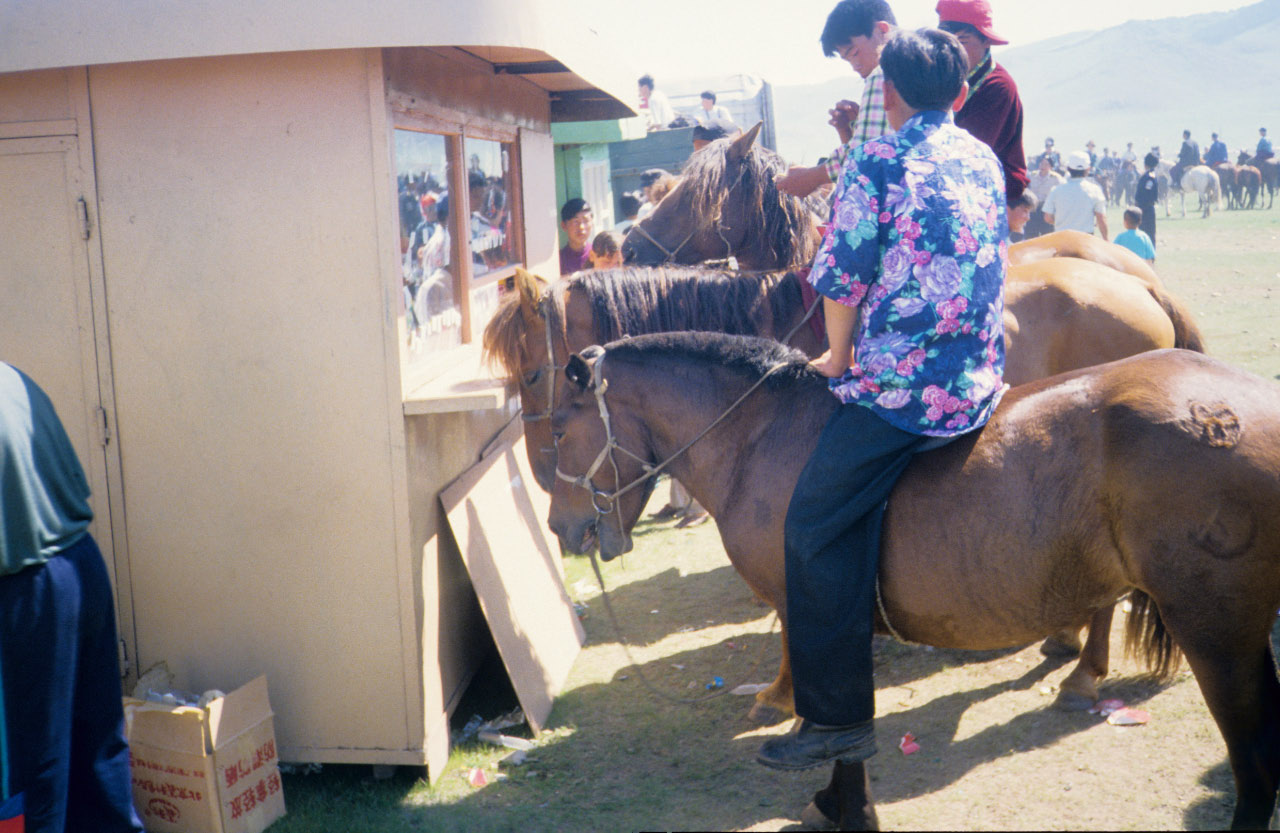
(578, 224)
(712, 112)
(61, 715)
(655, 104)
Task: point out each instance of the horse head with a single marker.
(600, 478)
(727, 204)
(517, 345)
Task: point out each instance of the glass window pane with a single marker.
(432, 314)
(488, 179)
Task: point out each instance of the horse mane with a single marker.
(635, 300)
(503, 339)
(786, 223)
(746, 356)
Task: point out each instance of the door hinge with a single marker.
(104, 430)
(82, 211)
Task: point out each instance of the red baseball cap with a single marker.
(977, 13)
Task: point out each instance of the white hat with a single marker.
(1078, 161)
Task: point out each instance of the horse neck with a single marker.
(671, 414)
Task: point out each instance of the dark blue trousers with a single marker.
(59, 664)
(832, 538)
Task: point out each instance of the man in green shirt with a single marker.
(64, 762)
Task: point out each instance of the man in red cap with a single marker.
(992, 112)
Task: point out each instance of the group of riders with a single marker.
(1117, 172)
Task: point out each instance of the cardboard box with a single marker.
(211, 770)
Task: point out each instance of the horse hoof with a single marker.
(1070, 701)
(763, 715)
(1055, 647)
(814, 819)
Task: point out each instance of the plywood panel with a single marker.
(513, 569)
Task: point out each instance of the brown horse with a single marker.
(1158, 475)
(726, 204)
(1069, 313)
(1268, 171)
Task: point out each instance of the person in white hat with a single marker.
(1077, 203)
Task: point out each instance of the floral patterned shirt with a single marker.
(918, 244)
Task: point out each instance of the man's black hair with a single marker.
(629, 205)
(1150, 160)
(572, 208)
(957, 28)
(1186, 134)
(1133, 214)
(710, 95)
(651, 176)
(646, 80)
(1028, 198)
(851, 19)
(712, 130)
(927, 67)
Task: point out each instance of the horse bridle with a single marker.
(669, 255)
(599, 385)
(550, 368)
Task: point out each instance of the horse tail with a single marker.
(1186, 333)
(1147, 638)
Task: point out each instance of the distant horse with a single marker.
(1156, 476)
(1227, 179)
(1268, 171)
(1248, 186)
(1204, 182)
(1060, 315)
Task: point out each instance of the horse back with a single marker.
(1146, 472)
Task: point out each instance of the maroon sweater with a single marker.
(993, 115)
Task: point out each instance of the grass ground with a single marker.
(994, 754)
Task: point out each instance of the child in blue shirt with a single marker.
(1135, 239)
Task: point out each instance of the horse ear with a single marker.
(529, 286)
(579, 368)
(742, 145)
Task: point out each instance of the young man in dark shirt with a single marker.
(992, 112)
(1148, 191)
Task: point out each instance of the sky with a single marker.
(778, 41)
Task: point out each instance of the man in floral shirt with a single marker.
(914, 266)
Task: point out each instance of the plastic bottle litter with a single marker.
(718, 682)
(476, 777)
(749, 688)
(908, 744)
(1106, 707)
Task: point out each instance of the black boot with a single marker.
(816, 744)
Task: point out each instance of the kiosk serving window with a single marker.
(457, 186)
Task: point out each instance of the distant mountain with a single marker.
(1144, 81)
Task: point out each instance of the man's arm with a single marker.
(842, 322)
(1101, 217)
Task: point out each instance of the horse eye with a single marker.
(533, 377)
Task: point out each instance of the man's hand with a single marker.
(843, 115)
(801, 182)
(830, 366)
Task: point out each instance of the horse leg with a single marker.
(777, 702)
(1065, 644)
(845, 803)
(1079, 691)
(1237, 676)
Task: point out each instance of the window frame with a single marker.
(410, 113)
